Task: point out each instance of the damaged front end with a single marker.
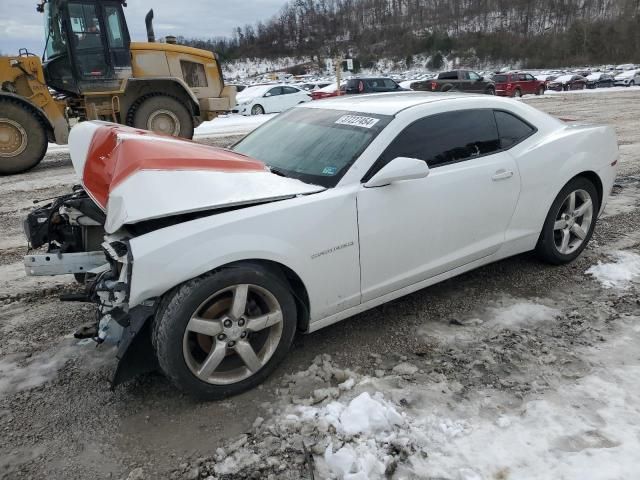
(71, 229)
(117, 323)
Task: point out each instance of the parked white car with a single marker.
(269, 99)
(330, 209)
(629, 78)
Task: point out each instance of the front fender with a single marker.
(315, 236)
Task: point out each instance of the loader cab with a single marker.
(87, 45)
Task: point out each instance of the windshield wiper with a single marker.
(277, 171)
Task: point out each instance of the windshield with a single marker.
(251, 92)
(55, 42)
(314, 145)
(564, 78)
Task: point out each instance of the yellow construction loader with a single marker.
(90, 70)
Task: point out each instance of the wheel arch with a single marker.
(594, 178)
(139, 89)
(294, 283)
(37, 111)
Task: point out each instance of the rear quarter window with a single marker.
(448, 76)
(512, 129)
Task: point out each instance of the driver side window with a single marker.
(445, 138)
(474, 76)
(275, 91)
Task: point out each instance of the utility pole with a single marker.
(339, 73)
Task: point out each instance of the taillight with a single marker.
(434, 85)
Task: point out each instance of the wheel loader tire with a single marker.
(23, 139)
(163, 114)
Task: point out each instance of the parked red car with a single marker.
(326, 92)
(516, 84)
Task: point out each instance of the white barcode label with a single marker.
(357, 121)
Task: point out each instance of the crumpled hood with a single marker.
(135, 175)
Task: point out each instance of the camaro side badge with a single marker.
(331, 250)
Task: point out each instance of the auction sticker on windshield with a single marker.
(357, 121)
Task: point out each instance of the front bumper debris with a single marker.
(64, 263)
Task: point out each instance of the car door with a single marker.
(289, 97)
(414, 230)
(466, 84)
(529, 84)
(272, 100)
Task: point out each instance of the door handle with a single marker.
(502, 175)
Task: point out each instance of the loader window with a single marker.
(85, 25)
(55, 41)
(114, 27)
(87, 40)
(193, 73)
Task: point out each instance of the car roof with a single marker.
(389, 103)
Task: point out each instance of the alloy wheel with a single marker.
(232, 334)
(573, 222)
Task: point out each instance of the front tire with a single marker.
(257, 110)
(23, 139)
(165, 115)
(490, 91)
(570, 222)
(225, 332)
(540, 91)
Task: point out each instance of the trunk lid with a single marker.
(135, 175)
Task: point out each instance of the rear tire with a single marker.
(23, 139)
(517, 93)
(562, 220)
(205, 357)
(165, 115)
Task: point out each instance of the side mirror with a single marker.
(481, 79)
(268, 94)
(397, 170)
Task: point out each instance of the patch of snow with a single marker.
(231, 125)
(19, 372)
(619, 274)
(522, 313)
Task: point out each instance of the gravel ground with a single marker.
(60, 419)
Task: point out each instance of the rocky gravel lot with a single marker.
(479, 347)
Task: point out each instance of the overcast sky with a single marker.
(21, 26)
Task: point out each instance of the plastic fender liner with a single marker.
(135, 351)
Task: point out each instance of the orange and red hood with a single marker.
(136, 175)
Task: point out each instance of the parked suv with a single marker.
(457, 80)
(372, 85)
(516, 84)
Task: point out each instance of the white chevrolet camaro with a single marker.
(217, 258)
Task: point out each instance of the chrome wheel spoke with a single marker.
(566, 236)
(248, 355)
(213, 360)
(584, 208)
(578, 231)
(239, 304)
(572, 202)
(263, 321)
(560, 224)
(204, 326)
